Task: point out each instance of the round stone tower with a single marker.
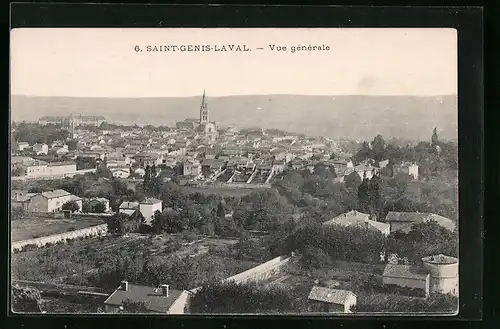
(444, 273)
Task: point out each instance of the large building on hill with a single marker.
(73, 120)
(206, 128)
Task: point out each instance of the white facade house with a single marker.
(148, 208)
(52, 201)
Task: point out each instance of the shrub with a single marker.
(29, 247)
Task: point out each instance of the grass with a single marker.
(35, 227)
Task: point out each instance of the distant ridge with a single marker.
(357, 117)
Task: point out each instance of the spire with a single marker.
(204, 118)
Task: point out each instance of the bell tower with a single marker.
(204, 117)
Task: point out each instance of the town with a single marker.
(109, 218)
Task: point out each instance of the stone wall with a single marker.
(261, 272)
(97, 230)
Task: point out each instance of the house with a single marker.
(192, 168)
(408, 276)
(407, 168)
(39, 149)
(323, 299)
(366, 170)
(20, 199)
(148, 159)
(105, 202)
(403, 221)
(358, 219)
(128, 207)
(22, 145)
(122, 172)
(148, 208)
(162, 300)
(51, 201)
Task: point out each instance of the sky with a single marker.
(103, 62)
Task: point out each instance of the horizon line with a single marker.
(236, 95)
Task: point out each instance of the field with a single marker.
(35, 227)
(228, 192)
(75, 262)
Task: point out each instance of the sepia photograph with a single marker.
(282, 171)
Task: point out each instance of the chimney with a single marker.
(124, 285)
(164, 290)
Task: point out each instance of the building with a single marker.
(408, 276)
(22, 145)
(148, 208)
(105, 202)
(20, 199)
(403, 221)
(145, 159)
(39, 149)
(407, 168)
(162, 300)
(128, 208)
(191, 168)
(122, 172)
(323, 299)
(443, 272)
(52, 201)
(358, 219)
(207, 127)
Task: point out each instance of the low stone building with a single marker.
(323, 299)
(406, 276)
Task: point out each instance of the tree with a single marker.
(313, 257)
(18, 171)
(434, 138)
(103, 171)
(121, 223)
(25, 299)
(130, 306)
(72, 144)
(221, 213)
(378, 148)
(17, 213)
(72, 206)
(99, 208)
(352, 180)
(363, 194)
(86, 207)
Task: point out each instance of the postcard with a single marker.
(234, 171)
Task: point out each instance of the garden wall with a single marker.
(97, 230)
(262, 271)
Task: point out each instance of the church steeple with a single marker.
(204, 117)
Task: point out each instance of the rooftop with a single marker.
(327, 295)
(419, 217)
(357, 219)
(440, 259)
(129, 205)
(151, 201)
(404, 271)
(55, 194)
(152, 297)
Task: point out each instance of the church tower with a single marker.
(204, 118)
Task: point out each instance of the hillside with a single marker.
(358, 117)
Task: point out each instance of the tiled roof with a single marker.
(129, 205)
(153, 300)
(55, 194)
(404, 271)
(419, 217)
(440, 259)
(327, 295)
(151, 201)
(357, 219)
